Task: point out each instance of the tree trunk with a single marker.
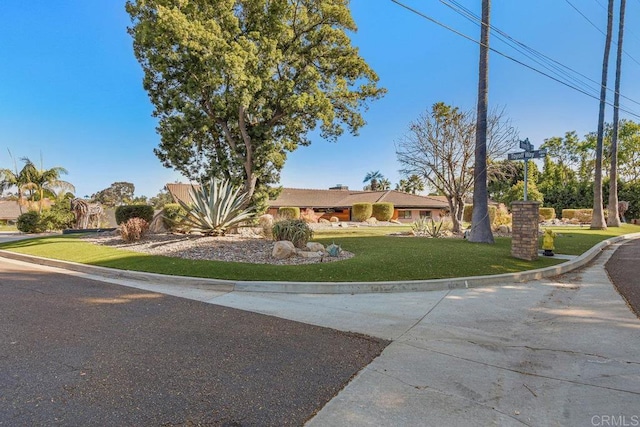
(460, 209)
(480, 223)
(613, 220)
(598, 222)
(453, 208)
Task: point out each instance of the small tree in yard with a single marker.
(439, 147)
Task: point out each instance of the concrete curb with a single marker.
(328, 287)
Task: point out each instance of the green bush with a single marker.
(172, 214)
(126, 212)
(382, 211)
(58, 217)
(547, 213)
(29, 222)
(290, 212)
(361, 211)
(568, 213)
(467, 213)
(296, 231)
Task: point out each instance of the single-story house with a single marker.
(338, 201)
(9, 210)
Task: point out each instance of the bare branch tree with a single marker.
(440, 145)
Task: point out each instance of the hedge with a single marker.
(467, 213)
(547, 213)
(382, 211)
(126, 212)
(583, 215)
(362, 211)
(290, 212)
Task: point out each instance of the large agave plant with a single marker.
(215, 208)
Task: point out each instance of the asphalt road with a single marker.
(624, 272)
(80, 352)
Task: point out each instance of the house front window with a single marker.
(425, 214)
(404, 214)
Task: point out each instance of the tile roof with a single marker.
(180, 191)
(9, 210)
(344, 198)
(312, 198)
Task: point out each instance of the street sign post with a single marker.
(526, 145)
(528, 153)
(535, 154)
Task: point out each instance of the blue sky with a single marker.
(71, 89)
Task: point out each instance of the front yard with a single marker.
(378, 257)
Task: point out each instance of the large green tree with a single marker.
(236, 84)
(118, 193)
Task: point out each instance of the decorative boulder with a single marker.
(315, 247)
(324, 221)
(265, 220)
(344, 225)
(157, 225)
(395, 221)
(372, 221)
(334, 219)
(305, 254)
(283, 249)
(504, 229)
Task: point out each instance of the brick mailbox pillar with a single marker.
(525, 218)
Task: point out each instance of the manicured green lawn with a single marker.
(577, 240)
(378, 257)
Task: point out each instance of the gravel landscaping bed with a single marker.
(232, 247)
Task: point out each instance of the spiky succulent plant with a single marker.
(215, 208)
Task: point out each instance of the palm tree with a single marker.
(411, 185)
(14, 178)
(384, 184)
(598, 222)
(613, 219)
(481, 225)
(373, 178)
(41, 181)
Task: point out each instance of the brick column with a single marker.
(525, 219)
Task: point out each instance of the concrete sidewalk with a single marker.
(548, 352)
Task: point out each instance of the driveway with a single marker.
(75, 351)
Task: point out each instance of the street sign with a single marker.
(540, 154)
(526, 145)
(528, 153)
(535, 154)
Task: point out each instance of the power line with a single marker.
(545, 61)
(586, 17)
(598, 28)
(435, 21)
